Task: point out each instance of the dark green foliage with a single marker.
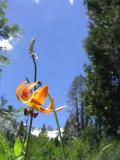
(22, 131)
(8, 123)
(6, 31)
(6, 111)
(41, 148)
(75, 149)
(76, 121)
(103, 79)
(6, 152)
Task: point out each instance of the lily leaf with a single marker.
(20, 158)
(1, 156)
(18, 147)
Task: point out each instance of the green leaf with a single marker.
(20, 158)
(106, 147)
(18, 148)
(1, 157)
(25, 144)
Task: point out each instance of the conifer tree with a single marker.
(76, 121)
(102, 98)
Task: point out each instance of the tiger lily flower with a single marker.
(36, 99)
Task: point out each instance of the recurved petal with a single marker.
(60, 108)
(40, 96)
(51, 105)
(26, 90)
(49, 109)
(42, 110)
(46, 111)
(19, 90)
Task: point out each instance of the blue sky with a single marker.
(60, 28)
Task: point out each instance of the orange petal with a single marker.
(40, 109)
(44, 110)
(40, 96)
(26, 90)
(37, 107)
(51, 105)
(18, 90)
(57, 109)
(49, 109)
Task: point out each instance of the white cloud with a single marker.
(71, 2)
(37, 1)
(6, 44)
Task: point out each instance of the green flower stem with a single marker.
(28, 139)
(35, 70)
(58, 127)
(31, 118)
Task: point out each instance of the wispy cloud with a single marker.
(71, 2)
(6, 44)
(37, 1)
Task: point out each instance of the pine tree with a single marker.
(76, 121)
(103, 79)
